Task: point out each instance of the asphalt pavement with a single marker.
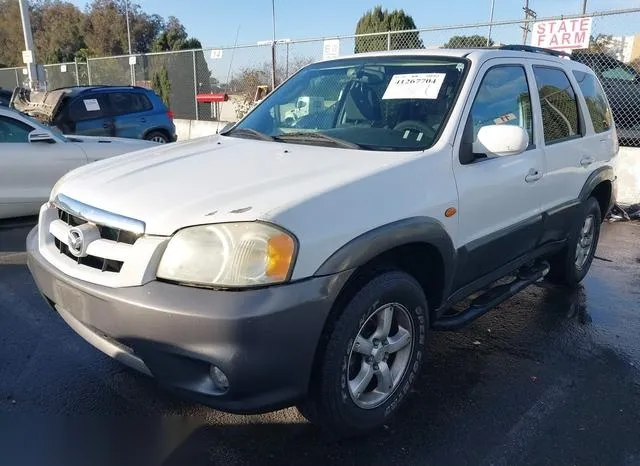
(552, 377)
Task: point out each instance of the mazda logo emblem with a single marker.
(75, 241)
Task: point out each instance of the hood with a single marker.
(216, 179)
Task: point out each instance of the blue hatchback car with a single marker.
(120, 111)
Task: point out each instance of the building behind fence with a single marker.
(180, 76)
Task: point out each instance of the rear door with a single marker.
(131, 112)
(571, 147)
(88, 115)
(499, 197)
(28, 171)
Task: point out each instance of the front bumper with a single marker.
(264, 340)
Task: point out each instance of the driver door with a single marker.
(28, 170)
(500, 199)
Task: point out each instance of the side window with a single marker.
(13, 130)
(503, 99)
(596, 101)
(123, 103)
(87, 107)
(560, 118)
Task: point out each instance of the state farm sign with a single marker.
(562, 34)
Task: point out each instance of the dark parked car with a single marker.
(621, 84)
(126, 111)
(5, 97)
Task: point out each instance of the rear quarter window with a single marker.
(129, 102)
(596, 100)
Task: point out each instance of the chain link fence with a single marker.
(247, 72)
(10, 77)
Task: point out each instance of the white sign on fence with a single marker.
(331, 49)
(133, 60)
(63, 68)
(27, 57)
(216, 54)
(562, 34)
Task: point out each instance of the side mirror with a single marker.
(501, 140)
(40, 136)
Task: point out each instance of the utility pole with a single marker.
(273, 46)
(584, 7)
(529, 15)
(29, 56)
(493, 6)
(132, 69)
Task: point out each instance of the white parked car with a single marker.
(33, 157)
(275, 265)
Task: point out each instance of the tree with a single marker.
(463, 42)
(106, 28)
(174, 37)
(601, 43)
(162, 85)
(10, 33)
(381, 21)
(58, 31)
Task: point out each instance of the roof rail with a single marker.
(532, 49)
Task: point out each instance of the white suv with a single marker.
(305, 262)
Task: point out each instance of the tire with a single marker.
(157, 136)
(571, 266)
(335, 402)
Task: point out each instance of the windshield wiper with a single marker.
(304, 136)
(248, 133)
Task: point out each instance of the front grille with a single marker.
(106, 232)
(112, 234)
(105, 265)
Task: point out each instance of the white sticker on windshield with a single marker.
(91, 105)
(414, 86)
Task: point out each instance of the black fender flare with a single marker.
(369, 245)
(605, 173)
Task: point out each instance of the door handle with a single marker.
(586, 161)
(533, 176)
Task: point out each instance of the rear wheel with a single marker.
(372, 357)
(157, 136)
(573, 264)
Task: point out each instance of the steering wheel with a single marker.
(417, 127)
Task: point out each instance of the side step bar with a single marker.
(492, 297)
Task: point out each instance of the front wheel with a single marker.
(572, 265)
(372, 357)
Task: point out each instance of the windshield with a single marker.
(375, 103)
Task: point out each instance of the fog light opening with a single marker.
(219, 378)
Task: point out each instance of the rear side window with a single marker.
(596, 101)
(129, 102)
(87, 107)
(560, 118)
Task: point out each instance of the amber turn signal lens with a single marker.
(450, 212)
(280, 251)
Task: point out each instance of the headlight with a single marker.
(229, 255)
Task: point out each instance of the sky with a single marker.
(215, 23)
